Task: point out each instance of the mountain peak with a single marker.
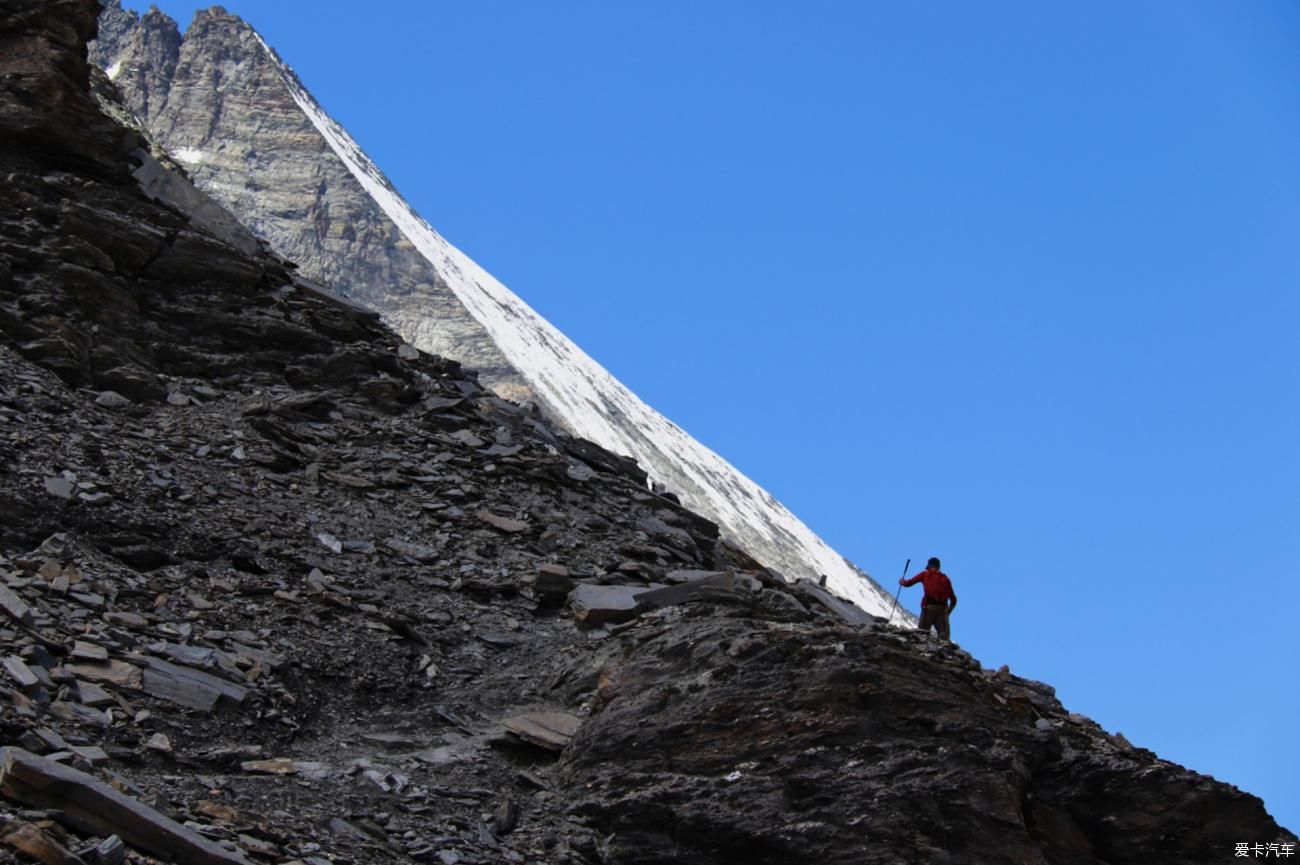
(217, 14)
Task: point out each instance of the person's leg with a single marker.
(941, 622)
(927, 619)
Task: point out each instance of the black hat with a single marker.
(934, 562)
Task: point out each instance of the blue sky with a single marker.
(1010, 283)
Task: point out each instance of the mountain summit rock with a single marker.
(249, 133)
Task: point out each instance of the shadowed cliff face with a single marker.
(753, 741)
(325, 597)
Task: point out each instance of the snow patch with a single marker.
(113, 71)
(189, 156)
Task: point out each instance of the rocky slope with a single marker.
(276, 587)
(251, 135)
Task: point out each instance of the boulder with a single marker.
(601, 605)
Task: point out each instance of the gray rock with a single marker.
(552, 730)
(112, 399)
(92, 695)
(111, 851)
(15, 607)
(83, 651)
(330, 542)
(19, 672)
(504, 524)
(598, 605)
(419, 552)
(468, 439)
(391, 741)
(62, 488)
(91, 803)
(813, 594)
(188, 687)
(551, 584)
(727, 587)
(130, 381)
(177, 191)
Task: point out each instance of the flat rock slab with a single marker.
(357, 483)
(687, 576)
(393, 741)
(599, 605)
(505, 524)
(60, 487)
(78, 714)
(550, 730)
(20, 672)
(419, 552)
(91, 694)
(199, 657)
(38, 845)
(448, 754)
(188, 687)
(126, 620)
(92, 754)
(277, 766)
(726, 587)
(83, 651)
(499, 639)
(442, 403)
(117, 673)
(287, 766)
(15, 607)
(848, 612)
(468, 439)
(92, 807)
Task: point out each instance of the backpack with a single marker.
(942, 585)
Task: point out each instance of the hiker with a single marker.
(939, 600)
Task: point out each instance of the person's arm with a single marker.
(911, 582)
(952, 599)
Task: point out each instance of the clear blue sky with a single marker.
(1012, 283)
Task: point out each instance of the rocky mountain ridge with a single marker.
(276, 587)
(250, 134)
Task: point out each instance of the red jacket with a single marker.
(938, 588)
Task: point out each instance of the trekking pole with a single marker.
(899, 592)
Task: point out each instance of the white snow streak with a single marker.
(113, 71)
(189, 156)
(568, 378)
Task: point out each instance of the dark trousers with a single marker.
(936, 616)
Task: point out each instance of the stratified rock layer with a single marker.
(755, 741)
